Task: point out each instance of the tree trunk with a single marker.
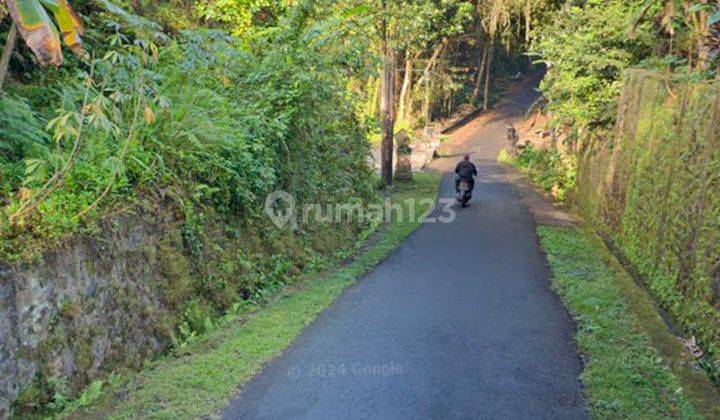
(373, 89)
(427, 81)
(137, 9)
(488, 66)
(703, 49)
(407, 83)
(703, 56)
(397, 83)
(528, 29)
(698, 25)
(481, 70)
(431, 63)
(409, 111)
(528, 17)
(7, 53)
(386, 107)
(426, 102)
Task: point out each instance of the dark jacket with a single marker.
(466, 169)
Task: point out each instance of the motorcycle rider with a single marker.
(465, 170)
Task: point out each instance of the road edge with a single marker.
(185, 384)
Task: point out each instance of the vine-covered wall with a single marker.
(654, 190)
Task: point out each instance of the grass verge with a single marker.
(199, 380)
(634, 368)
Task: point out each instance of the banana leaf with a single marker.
(39, 31)
(69, 23)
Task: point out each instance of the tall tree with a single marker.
(386, 102)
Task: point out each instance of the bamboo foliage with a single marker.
(41, 33)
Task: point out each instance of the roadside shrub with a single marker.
(551, 170)
(206, 121)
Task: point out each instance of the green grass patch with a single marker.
(199, 379)
(625, 375)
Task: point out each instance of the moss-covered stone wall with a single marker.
(152, 277)
(654, 190)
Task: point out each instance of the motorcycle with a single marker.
(464, 195)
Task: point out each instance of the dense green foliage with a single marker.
(215, 120)
(21, 131)
(549, 169)
(587, 47)
(242, 16)
(198, 379)
(588, 44)
(200, 109)
(624, 376)
(195, 129)
(212, 123)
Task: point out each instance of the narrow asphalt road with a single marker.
(459, 322)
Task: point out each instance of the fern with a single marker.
(21, 134)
